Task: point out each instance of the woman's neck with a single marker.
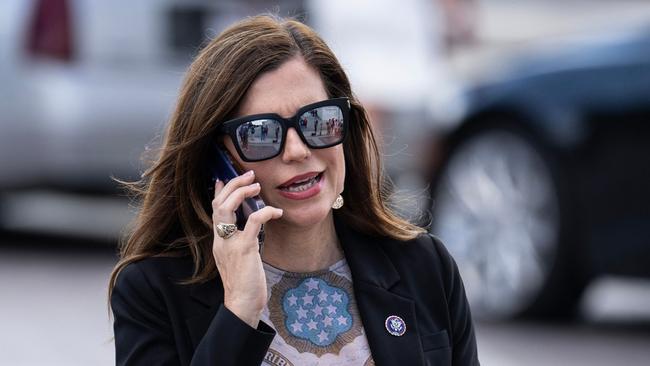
(301, 249)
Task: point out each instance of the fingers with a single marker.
(237, 197)
(230, 196)
(258, 218)
(222, 191)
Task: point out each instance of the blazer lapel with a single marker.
(374, 275)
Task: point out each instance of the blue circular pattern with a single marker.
(316, 311)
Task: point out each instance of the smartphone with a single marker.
(224, 170)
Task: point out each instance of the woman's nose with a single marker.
(294, 148)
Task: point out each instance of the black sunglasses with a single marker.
(262, 136)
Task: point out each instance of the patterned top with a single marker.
(315, 317)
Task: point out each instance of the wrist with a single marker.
(249, 315)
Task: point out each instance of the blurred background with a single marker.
(516, 130)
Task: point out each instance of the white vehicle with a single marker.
(87, 85)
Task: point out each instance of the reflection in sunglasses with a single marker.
(260, 137)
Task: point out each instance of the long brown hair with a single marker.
(175, 211)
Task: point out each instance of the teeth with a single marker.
(303, 181)
(297, 187)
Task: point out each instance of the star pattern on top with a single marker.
(316, 311)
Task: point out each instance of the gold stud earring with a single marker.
(338, 203)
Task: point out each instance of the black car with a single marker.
(545, 184)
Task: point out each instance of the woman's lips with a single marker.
(313, 190)
(299, 178)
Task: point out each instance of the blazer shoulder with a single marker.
(424, 248)
(154, 272)
(434, 248)
(441, 250)
(422, 257)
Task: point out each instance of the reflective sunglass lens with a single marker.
(322, 126)
(259, 139)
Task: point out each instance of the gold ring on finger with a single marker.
(225, 231)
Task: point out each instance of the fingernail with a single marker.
(216, 180)
(281, 211)
(255, 185)
(250, 172)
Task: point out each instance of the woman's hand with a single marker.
(237, 258)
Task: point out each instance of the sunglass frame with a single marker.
(230, 127)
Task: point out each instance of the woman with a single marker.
(341, 280)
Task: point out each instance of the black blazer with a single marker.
(160, 322)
